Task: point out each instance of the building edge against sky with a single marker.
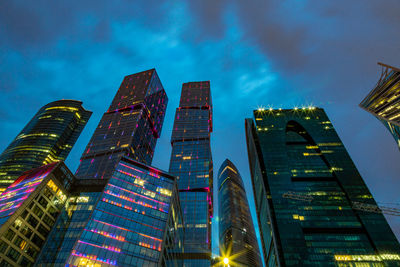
(384, 100)
(191, 162)
(94, 208)
(28, 209)
(312, 205)
(130, 126)
(48, 137)
(237, 238)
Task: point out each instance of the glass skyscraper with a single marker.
(130, 126)
(28, 210)
(136, 212)
(237, 238)
(384, 100)
(309, 195)
(191, 163)
(121, 211)
(48, 137)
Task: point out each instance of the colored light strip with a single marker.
(121, 228)
(149, 198)
(106, 234)
(150, 246)
(131, 168)
(130, 220)
(94, 257)
(130, 200)
(110, 248)
(10, 194)
(141, 187)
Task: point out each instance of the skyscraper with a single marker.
(237, 238)
(135, 222)
(384, 100)
(191, 163)
(48, 137)
(130, 126)
(121, 212)
(313, 207)
(28, 209)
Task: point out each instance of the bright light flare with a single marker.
(226, 261)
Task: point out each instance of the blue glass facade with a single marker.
(191, 163)
(134, 223)
(307, 193)
(67, 229)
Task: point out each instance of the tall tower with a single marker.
(122, 211)
(313, 207)
(48, 137)
(191, 163)
(384, 100)
(130, 126)
(237, 238)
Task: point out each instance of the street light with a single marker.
(226, 261)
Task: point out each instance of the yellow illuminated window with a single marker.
(61, 195)
(63, 108)
(82, 200)
(139, 181)
(52, 185)
(164, 191)
(149, 193)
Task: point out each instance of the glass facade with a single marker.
(384, 100)
(135, 221)
(47, 138)
(307, 191)
(113, 197)
(237, 238)
(28, 210)
(67, 229)
(130, 126)
(191, 163)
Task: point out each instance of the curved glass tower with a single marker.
(313, 207)
(384, 100)
(48, 137)
(237, 238)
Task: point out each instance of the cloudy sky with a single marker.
(269, 53)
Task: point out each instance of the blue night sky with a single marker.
(270, 53)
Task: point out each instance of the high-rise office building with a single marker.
(134, 223)
(48, 137)
(130, 126)
(28, 210)
(121, 212)
(384, 100)
(191, 163)
(237, 238)
(313, 207)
